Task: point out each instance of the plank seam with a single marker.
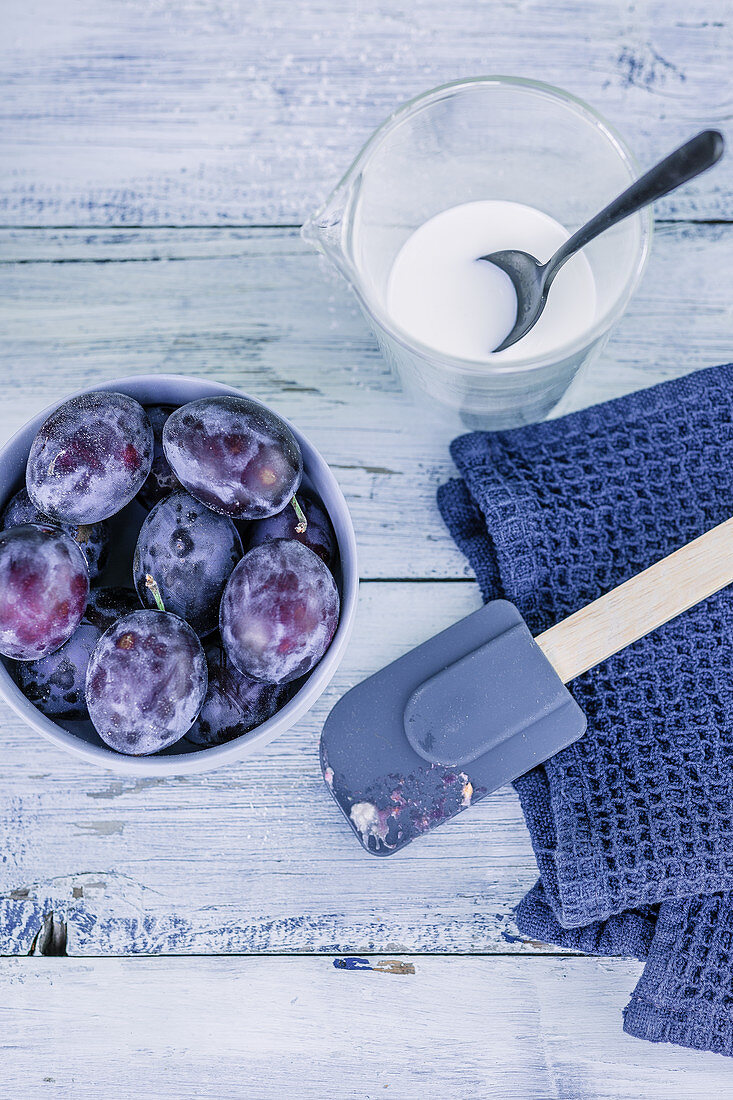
(138, 226)
(329, 955)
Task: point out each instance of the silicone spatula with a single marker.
(483, 702)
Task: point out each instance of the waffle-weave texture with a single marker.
(632, 826)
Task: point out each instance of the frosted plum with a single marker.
(161, 480)
(43, 590)
(318, 535)
(190, 551)
(146, 682)
(92, 537)
(56, 684)
(234, 703)
(279, 612)
(108, 604)
(90, 457)
(233, 455)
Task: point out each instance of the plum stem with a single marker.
(302, 524)
(152, 584)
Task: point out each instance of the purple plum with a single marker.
(233, 455)
(92, 537)
(90, 457)
(279, 612)
(190, 551)
(146, 682)
(161, 480)
(234, 703)
(44, 584)
(56, 684)
(318, 535)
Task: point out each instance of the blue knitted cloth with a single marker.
(632, 826)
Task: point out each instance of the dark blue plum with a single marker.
(92, 537)
(190, 552)
(56, 684)
(108, 604)
(44, 585)
(161, 480)
(146, 682)
(234, 455)
(90, 457)
(279, 612)
(234, 703)
(318, 535)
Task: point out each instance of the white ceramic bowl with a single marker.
(80, 738)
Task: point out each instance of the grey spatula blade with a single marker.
(443, 726)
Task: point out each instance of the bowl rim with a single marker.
(202, 760)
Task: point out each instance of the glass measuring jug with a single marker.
(491, 137)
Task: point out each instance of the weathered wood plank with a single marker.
(515, 1029)
(257, 309)
(129, 865)
(257, 857)
(247, 113)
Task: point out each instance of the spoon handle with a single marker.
(689, 160)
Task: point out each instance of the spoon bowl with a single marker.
(527, 276)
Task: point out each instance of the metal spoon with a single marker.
(532, 280)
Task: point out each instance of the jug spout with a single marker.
(325, 230)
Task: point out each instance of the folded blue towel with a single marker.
(632, 826)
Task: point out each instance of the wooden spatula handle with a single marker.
(640, 604)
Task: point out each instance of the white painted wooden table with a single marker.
(157, 158)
